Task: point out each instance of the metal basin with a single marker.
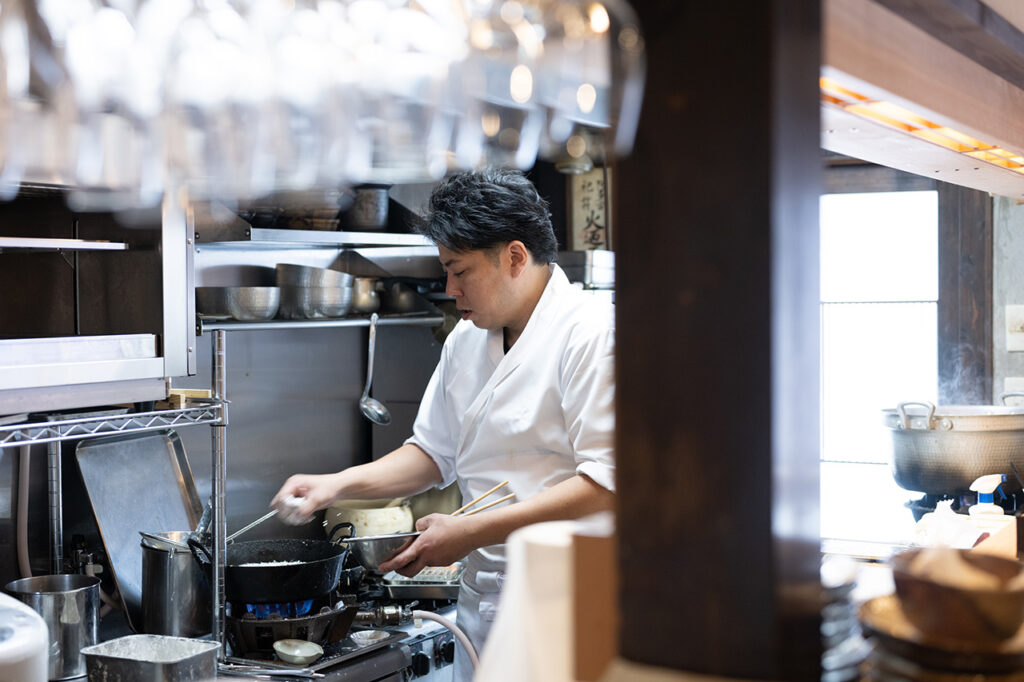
(373, 550)
(307, 303)
(247, 304)
(292, 275)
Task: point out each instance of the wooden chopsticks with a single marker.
(489, 504)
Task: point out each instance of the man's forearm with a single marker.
(570, 499)
(404, 471)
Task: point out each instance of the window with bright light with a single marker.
(879, 305)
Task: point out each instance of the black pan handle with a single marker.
(197, 549)
(343, 524)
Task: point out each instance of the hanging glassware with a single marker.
(499, 122)
(217, 94)
(592, 77)
(36, 104)
(238, 99)
(116, 149)
(403, 54)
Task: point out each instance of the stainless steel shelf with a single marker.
(39, 244)
(232, 325)
(88, 427)
(239, 231)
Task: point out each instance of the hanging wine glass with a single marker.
(592, 77)
(403, 54)
(499, 122)
(216, 93)
(36, 103)
(113, 142)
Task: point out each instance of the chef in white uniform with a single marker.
(524, 392)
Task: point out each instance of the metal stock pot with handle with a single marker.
(944, 448)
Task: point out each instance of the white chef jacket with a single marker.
(536, 416)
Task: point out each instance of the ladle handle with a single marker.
(369, 360)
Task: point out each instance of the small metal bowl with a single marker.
(368, 637)
(246, 304)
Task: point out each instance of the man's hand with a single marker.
(444, 540)
(400, 473)
(313, 492)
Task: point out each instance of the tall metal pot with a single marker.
(943, 449)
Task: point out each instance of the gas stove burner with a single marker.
(285, 610)
(322, 622)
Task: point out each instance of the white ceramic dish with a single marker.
(298, 651)
(368, 637)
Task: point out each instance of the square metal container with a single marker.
(151, 658)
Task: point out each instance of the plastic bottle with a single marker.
(986, 486)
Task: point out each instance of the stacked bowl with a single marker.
(309, 293)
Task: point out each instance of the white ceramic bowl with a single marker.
(298, 651)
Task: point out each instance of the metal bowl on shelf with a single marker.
(310, 303)
(246, 304)
(293, 275)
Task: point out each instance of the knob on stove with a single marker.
(420, 664)
(446, 652)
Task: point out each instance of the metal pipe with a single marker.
(56, 496)
(219, 469)
(78, 288)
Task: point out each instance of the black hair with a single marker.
(482, 209)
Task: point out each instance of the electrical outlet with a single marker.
(1015, 328)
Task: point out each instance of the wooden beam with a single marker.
(876, 51)
(717, 344)
(971, 28)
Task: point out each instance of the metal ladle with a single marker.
(372, 409)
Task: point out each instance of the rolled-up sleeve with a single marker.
(431, 432)
(588, 403)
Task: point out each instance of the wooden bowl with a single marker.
(966, 613)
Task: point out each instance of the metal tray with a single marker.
(422, 590)
(428, 584)
(138, 482)
(151, 658)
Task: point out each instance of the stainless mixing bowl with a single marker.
(246, 304)
(308, 303)
(307, 276)
(373, 550)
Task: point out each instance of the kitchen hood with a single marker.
(936, 95)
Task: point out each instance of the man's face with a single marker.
(479, 282)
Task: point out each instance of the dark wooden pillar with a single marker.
(717, 234)
(965, 296)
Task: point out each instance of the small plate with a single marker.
(368, 637)
(298, 651)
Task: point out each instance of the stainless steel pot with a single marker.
(943, 449)
(175, 590)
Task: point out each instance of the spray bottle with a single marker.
(986, 487)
